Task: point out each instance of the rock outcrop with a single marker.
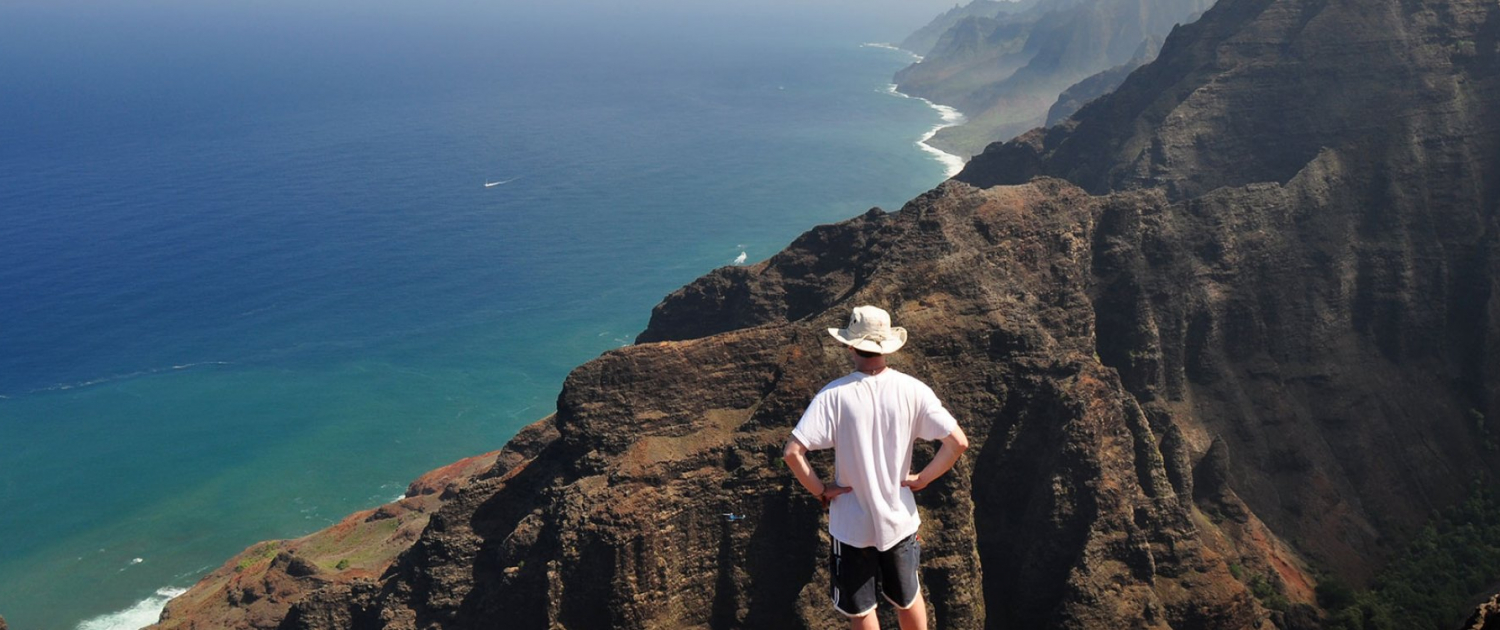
(1485, 617)
(1238, 317)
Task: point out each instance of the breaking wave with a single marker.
(142, 614)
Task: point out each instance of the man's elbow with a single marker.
(959, 441)
(793, 450)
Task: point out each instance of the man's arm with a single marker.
(796, 459)
(954, 445)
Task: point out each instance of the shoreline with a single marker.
(916, 57)
(951, 117)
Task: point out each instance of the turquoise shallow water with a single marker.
(252, 279)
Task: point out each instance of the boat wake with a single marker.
(62, 387)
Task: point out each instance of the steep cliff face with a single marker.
(1322, 293)
(1256, 89)
(1006, 71)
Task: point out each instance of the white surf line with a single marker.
(915, 57)
(142, 614)
(952, 164)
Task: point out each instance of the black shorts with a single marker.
(857, 573)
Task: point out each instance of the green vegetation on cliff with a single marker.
(1433, 582)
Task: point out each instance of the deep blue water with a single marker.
(251, 279)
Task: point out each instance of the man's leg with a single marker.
(852, 572)
(914, 618)
(867, 622)
(899, 569)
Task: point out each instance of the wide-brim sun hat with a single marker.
(870, 330)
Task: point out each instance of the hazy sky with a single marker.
(883, 19)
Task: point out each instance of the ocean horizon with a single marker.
(262, 275)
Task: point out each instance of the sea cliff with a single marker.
(1228, 331)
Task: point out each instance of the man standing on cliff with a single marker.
(870, 419)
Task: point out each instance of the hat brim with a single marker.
(883, 346)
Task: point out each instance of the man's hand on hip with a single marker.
(954, 444)
(830, 492)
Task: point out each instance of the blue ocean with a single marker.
(262, 266)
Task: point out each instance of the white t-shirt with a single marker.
(871, 423)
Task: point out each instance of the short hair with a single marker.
(865, 353)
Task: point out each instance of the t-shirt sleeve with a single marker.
(933, 420)
(815, 429)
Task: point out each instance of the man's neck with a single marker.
(872, 366)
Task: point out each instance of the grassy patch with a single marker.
(364, 545)
(260, 553)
